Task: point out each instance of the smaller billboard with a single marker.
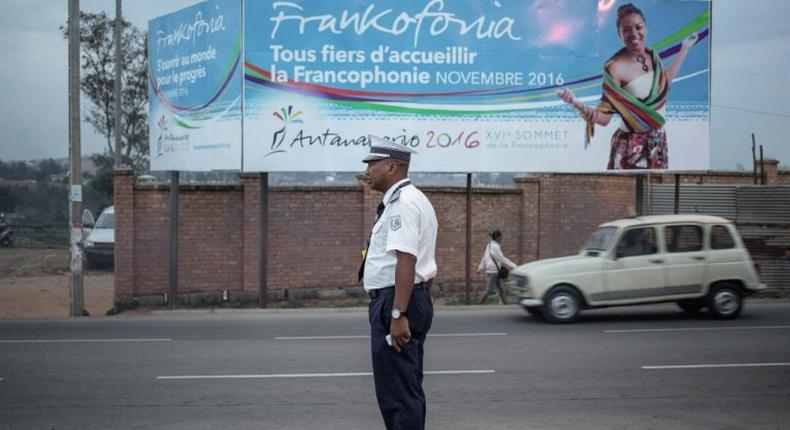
(194, 87)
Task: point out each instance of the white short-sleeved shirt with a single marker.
(408, 224)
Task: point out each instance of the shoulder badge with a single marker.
(394, 222)
(395, 196)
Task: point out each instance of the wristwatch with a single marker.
(397, 313)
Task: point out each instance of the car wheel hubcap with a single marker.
(563, 306)
(726, 302)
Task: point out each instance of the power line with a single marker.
(780, 115)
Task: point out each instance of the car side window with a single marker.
(720, 238)
(637, 241)
(683, 238)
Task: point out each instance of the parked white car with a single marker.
(697, 261)
(100, 242)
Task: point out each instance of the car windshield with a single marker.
(105, 221)
(600, 239)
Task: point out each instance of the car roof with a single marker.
(108, 210)
(667, 219)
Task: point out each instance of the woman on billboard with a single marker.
(635, 87)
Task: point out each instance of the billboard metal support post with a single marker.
(640, 185)
(172, 301)
(76, 296)
(263, 286)
(649, 195)
(468, 285)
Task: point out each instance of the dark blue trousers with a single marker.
(398, 375)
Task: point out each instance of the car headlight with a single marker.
(89, 244)
(522, 282)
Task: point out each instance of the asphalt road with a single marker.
(493, 368)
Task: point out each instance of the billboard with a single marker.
(473, 86)
(194, 87)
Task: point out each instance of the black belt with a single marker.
(390, 290)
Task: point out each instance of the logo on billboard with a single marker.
(162, 124)
(297, 137)
(168, 142)
(287, 116)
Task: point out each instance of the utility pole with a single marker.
(763, 179)
(754, 160)
(118, 70)
(76, 296)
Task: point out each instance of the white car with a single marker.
(100, 242)
(697, 261)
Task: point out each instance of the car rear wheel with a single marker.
(724, 301)
(691, 306)
(562, 305)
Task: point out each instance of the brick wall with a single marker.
(151, 234)
(571, 206)
(492, 209)
(316, 234)
(210, 239)
(123, 197)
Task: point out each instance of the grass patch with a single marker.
(293, 304)
(123, 305)
(457, 301)
(772, 295)
(41, 235)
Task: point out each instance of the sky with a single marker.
(750, 54)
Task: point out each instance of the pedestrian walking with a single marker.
(397, 272)
(493, 262)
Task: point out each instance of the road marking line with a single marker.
(713, 366)
(459, 372)
(658, 330)
(321, 337)
(82, 340)
(466, 334)
(365, 336)
(315, 375)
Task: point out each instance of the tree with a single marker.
(16, 170)
(101, 182)
(8, 200)
(97, 193)
(47, 168)
(98, 80)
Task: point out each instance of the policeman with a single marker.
(397, 271)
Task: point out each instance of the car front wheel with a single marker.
(562, 305)
(724, 301)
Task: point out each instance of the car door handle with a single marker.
(657, 261)
(698, 257)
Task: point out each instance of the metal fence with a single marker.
(761, 214)
(717, 200)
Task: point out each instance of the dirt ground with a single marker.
(34, 283)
